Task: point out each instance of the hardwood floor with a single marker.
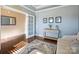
(7, 50)
(42, 39)
(8, 46)
(31, 39)
(48, 40)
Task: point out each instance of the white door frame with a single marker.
(33, 25)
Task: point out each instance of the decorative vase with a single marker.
(50, 26)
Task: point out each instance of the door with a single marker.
(31, 26)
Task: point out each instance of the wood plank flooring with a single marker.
(33, 38)
(43, 39)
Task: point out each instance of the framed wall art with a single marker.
(51, 20)
(44, 20)
(58, 19)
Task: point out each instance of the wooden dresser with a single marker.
(51, 33)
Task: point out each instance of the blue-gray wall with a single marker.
(78, 19)
(69, 25)
(78, 23)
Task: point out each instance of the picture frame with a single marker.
(58, 19)
(8, 20)
(51, 19)
(44, 20)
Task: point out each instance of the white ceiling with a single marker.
(40, 7)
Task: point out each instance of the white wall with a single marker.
(69, 23)
(12, 30)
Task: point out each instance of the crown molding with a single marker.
(44, 9)
(51, 8)
(27, 8)
(43, 6)
(13, 9)
(16, 10)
